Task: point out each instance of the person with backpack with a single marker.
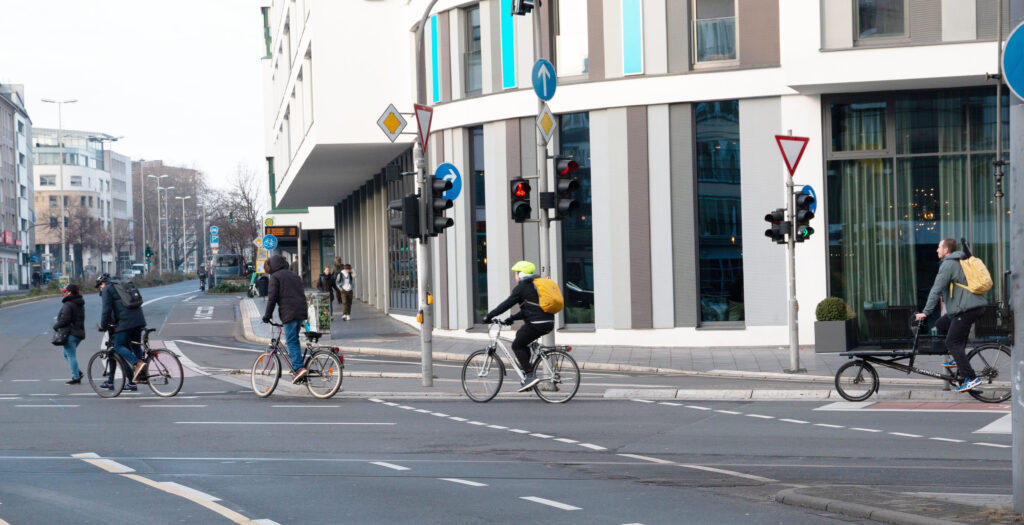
(286, 292)
(346, 284)
(122, 309)
(965, 303)
(539, 300)
(71, 321)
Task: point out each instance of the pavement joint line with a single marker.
(464, 482)
(391, 466)
(550, 503)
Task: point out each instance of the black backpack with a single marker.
(130, 296)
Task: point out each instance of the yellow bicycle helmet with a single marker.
(524, 267)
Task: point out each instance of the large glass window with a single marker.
(881, 19)
(571, 44)
(401, 250)
(714, 30)
(47, 180)
(719, 225)
(76, 180)
(577, 229)
(889, 205)
(479, 226)
(474, 70)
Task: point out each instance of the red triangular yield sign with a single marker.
(792, 149)
(424, 114)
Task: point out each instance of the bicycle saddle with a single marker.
(150, 330)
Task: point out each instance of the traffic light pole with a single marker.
(542, 180)
(794, 332)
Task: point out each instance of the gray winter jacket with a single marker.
(961, 300)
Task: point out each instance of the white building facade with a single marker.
(670, 107)
(16, 208)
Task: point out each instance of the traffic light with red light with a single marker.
(520, 205)
(566, 184)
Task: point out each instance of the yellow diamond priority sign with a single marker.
(391, 122)
(546, 124)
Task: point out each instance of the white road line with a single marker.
(406, 407)
(797, 421)
(477, 423)
(760, 416)
(390, 404)
(215, 507)
(519, 431)
(46, 406)
(566, 440)
(422, 411)
(108, 465)
(865, 429)
(729, 473)
(190, 490)
(542, 436)
(305, 406)
(51, 395)
(214, 392)
(185, 361)
(389, 465)
(731, 412)
(947, 440)
(996, 445)
(464, 482)
(592, 446)
(438, 414)
(172, 406)
(695, 407)
(497, 427)
(24, 380)
(460, 419)
(643, 401)
(275, 423)
(9, 398)
(669, 403)
(905, 435)
(375, 400)
(648, 458)
(826, 425)
(550, 503)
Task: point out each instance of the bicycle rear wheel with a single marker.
(164, 373)
(106, 374)
(323, 379)
(266, 371)
(856, 380)
(991, 363)
(482, 374)
(559, 376)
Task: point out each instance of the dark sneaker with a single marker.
(107, 385)
(968, 384)
(74, 381)
(300, 375)
(950, 364)
(131, 387)
(530, 382)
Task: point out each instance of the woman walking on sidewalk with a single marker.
(346, 284)
(326, 284)
(71, 320)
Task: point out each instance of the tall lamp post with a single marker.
(167, 226)
(60, 150)
(157, 212)
(110, 215)
(184, 253)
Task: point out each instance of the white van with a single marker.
(139, 269)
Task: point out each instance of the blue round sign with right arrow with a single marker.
(814, 204)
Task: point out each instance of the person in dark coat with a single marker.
(537, 321)
(71, 320)
(326, 284)
(285, 292)
(127, 322)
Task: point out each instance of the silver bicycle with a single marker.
(484, 370)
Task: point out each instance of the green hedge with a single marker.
(229, 287)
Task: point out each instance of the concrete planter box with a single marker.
(835, 336)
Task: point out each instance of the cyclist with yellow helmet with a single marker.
(536, 322)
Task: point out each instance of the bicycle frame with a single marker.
(894, 358)
(535, 350)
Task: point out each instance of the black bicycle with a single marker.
(108, 372)
(857, 379)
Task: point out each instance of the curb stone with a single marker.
(856, 510)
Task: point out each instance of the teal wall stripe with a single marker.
(436, 95)
(632, 37)
(508, 46)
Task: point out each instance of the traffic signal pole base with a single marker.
(797, 371)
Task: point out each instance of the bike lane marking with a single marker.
(391, 466)
(550, 503)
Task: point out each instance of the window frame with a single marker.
(468, 34)
(708, 64)
(882, 40)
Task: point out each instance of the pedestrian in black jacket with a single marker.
(326, 284)
(71, 320)
(285, 292)
(537, 321)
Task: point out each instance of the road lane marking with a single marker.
(51, 395)
(566, 440)
(695, 407)
(648, 458)
(731, 412)
(388, 465)
(865, 429)
(438, 414)
(550, 503)
(185, 361)
(519, 431)
(193, 343)
(460, 419)
(592, 446)
(670, 404)
(214, 392)
(477, 423)
(9, 398)
(797, 421)
(215, 507)
(497, 427)
(24, 380)
(948, 440)
(108, 465)
(539, 435)
(996, 445)
(305, 406)
(729, 473)
(190, 490)
(172, 406)
(464, 482)
(375, 400)
(642, 401)
(760, 416)
(902, 434)
(276, 423)
(827, 425)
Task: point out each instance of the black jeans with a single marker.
(956, 329)
(527, 334)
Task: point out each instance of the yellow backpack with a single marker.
(978, 279)
(550, 295)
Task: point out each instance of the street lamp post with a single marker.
(184, 253)
(110, 214)
(167, 226)
(60, 159)
(160, 255)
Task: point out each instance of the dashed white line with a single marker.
(519, 431)
(375, 400)
(438, 414)
(901, 434)
(732, 412)
(304, 406)
(566, 440)
(592, 446)
(50, 395)
(542, 436)
(460, 419)
(550, 503)
(797, 421)
(671, 404)
(826, 425)
(422, 411)
(172, 406)
(760, 416)
(497, 427)
(643, 401)
(464, 482)
(695, 407)
(405, 407)
(46, 406)
(477, 423)
(214, 392)
(865, 429)
(388, 465)
(996, 445)
(947, 440)
(24, 380)
(390, 404)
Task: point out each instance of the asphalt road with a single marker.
(216, 453)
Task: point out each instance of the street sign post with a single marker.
(391, 123)
(544, 79)
(269, 242)
(792, 149)
(424, 114)
(449, 172)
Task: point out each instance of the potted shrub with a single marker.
(835, 329)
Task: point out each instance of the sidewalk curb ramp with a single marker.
(799, 497)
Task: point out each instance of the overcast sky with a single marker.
(179, 79)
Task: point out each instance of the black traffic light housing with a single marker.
(566, 184)
(149, 251)
(522, 7)
(436, 204)
(407, 220)
(802, 229)
(231, 216)
(520, 204)
(779, 225)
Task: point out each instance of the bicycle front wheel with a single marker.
(164, 373)
(106, 374)
(323, 379)
(991, 364)
(559, 376)
(856, 380)
(266, 371)
(482, 374)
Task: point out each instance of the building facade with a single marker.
(87, 191)
(670, 107)
(17, 218)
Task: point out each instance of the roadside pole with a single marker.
(794, 327)
(424, 268)
(547, 339)
(1016, 290)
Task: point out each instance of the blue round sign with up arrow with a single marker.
(544, 79)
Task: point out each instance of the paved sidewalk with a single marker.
(910, 508)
